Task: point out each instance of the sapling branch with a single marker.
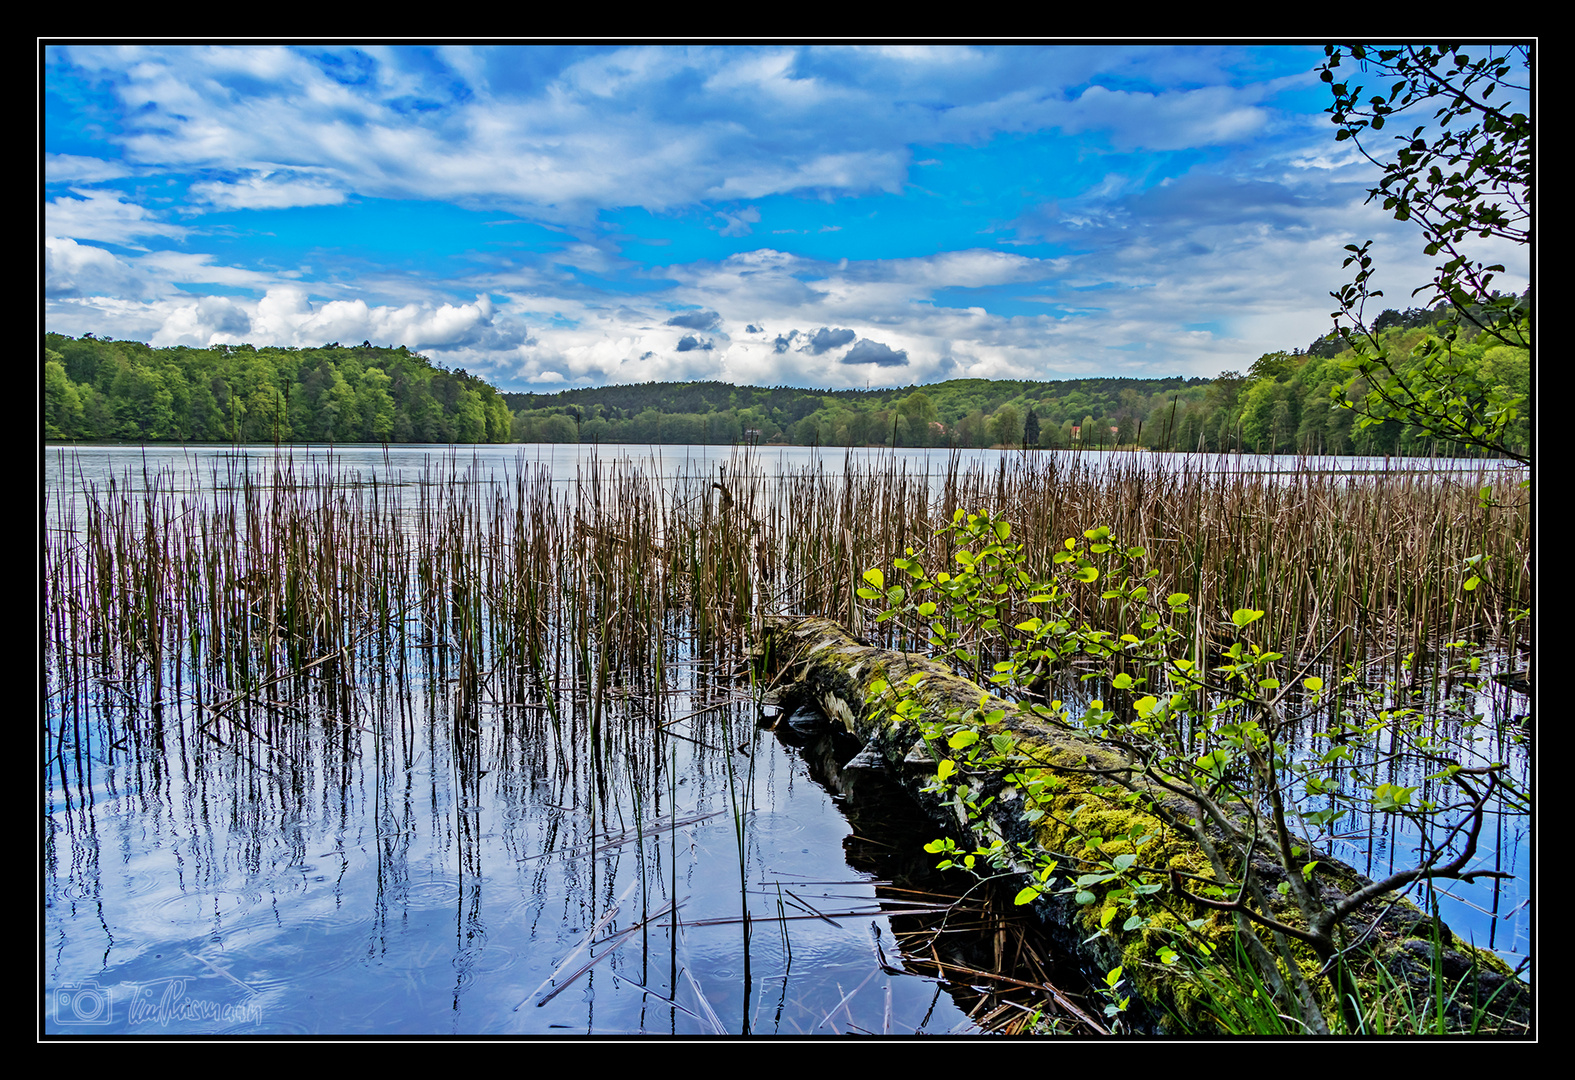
(1241, 792)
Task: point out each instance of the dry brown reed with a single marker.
(525, 588)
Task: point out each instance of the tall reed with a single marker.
(531, 587)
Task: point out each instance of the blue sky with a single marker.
(827, 216)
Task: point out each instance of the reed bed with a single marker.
(528, 589)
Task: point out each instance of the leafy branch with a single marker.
(1464, 175)
(1185, 734)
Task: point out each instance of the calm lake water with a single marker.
(194, 464)
(390, 869)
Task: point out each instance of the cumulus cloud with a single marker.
(72, 269)
(696, 320)
(827, 338)
(212, 320)
(286, 315)
(873, 352)
(689, 342)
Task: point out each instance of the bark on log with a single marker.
(819, 661)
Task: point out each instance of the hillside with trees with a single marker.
(99, 389)
(1286, 402)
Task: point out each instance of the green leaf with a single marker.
(1244, 616)
(1214, 763)
(875, 578)
(1392, 797)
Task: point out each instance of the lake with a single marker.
(469, 835)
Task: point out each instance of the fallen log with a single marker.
(1089, 823)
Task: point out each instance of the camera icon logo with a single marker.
(85, 1002)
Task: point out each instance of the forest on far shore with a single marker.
(103, 389)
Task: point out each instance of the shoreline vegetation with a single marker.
(1038, 821)
(125, 390)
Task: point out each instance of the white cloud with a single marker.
(213, 320)
(79, 169)
(105, 216)
(738, 224)
(1172, 120)
(287, 316)
(73, 269)
(268, 191)
(624, 128)
(192, 268)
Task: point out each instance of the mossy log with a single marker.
(818, 661)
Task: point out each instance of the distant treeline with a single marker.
(1281, 404)
(96, 389)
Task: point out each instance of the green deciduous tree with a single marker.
(1464, 176)
(1006, 426)
(64, 417)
